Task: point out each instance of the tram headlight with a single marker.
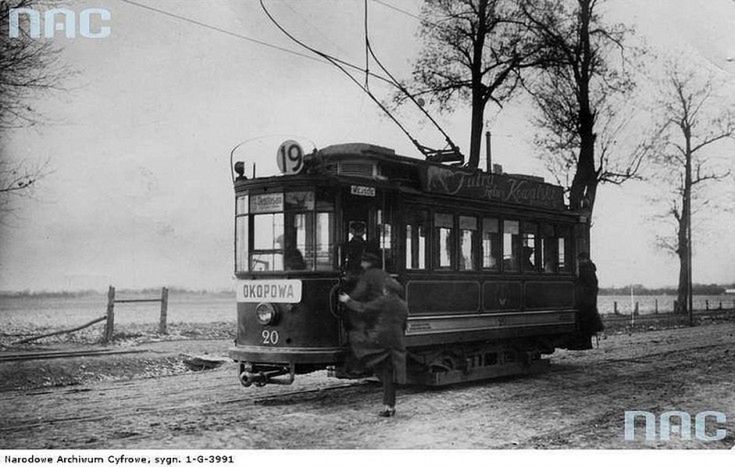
(266, 313)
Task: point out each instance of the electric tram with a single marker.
(486, 259)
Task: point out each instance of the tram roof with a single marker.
(435, 177)
(376, 165)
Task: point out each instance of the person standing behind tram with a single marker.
(586, 288)
(383, 350)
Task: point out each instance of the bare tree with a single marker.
(693, 122)
(579, 97)
(473, 51)
(28, 66)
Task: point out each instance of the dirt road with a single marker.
(579, 403)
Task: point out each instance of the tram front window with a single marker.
(284, 232)
(268, 242)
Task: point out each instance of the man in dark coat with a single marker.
(383, 349)
(370, 286)
(585, 293)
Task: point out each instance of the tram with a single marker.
(486, 259)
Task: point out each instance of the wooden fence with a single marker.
(110, 325)
(110, 317)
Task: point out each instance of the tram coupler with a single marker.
(250, 375)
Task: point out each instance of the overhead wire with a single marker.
(405, 91)
(338, 64)
(250, 39)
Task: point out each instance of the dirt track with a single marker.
(578, 403)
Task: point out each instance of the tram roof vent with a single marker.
(357, 168)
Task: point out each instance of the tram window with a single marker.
(241, 244)
(241, 234)
(490, 243)
(385, 238)
(529, 246)
(267, 228)
(443, 228)
(298, 237)
(300, 201)
(298, 252)
(324, 240)
(564, 250)
(548, 245)
(511, 245)
(324, 199)
(467, 229)
(268, 242)
(417, 223)
(242, 205)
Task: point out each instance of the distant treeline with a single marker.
(152, 291)
(638, 289)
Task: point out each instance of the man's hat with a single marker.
(370, 258)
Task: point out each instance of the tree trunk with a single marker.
(478, 112)
(682, 289)
(584, 185)
(478, 89)
(683, 250)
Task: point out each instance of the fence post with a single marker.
(164, 311)
(110, 324)
(706, 305)
(615, 308)
(720, 305)
(655, 304)
(635, 312)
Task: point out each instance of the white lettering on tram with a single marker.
(277, 291)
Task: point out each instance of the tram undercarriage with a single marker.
(427, 366)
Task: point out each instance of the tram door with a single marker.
(367, 219)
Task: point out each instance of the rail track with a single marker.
(48, 354)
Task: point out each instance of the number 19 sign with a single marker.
(290, 157)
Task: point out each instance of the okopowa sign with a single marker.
(269, 290)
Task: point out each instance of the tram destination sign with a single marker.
(491, 187)
(275, 291)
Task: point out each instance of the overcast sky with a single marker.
(140, 194)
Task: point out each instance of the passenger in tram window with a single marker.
(293, 259)
(528, 259)
(355, 247)
(383, 349)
